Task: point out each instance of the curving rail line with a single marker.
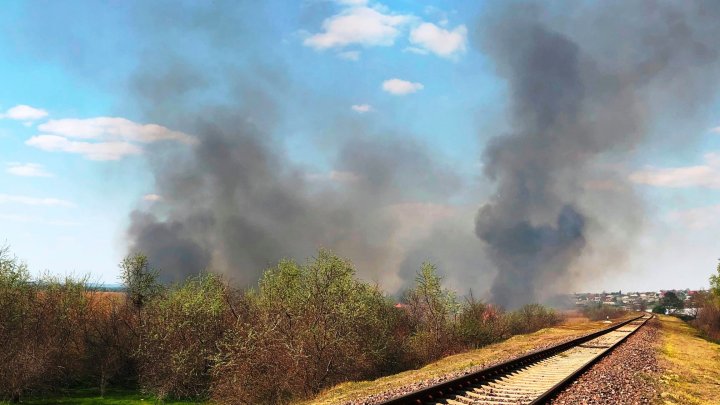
(531, 379)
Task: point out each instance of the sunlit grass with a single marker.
(512, 347)
(692, 364)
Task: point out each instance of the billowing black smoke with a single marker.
(235, 202)
(583, 81)
(587, 84)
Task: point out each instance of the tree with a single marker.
(432, 309)
(480, 324)
(17, 300)
(40, 329)
(671, 301)
(140, 280)
(715, 284)
(179, 335)
(315, 324)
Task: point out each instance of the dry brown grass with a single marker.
(513, 347)
(692, 365)
(105, 299)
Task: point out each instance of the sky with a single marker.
(76, 145)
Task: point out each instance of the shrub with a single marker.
(599, 311)
(708, 315)
(307, 326)
(110, 340)
(432, 312)
(314, 324)
(21, 367)
(530, 318)
(659, 309)
(179, 333)
(254, 364)
(61, 311)
(141, 281)
(481, 324)
(708, 320)
(41, 329)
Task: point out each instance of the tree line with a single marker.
(304, 327)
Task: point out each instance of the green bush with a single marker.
(530, 318)
(481, 324)
(41, 329)
(599, 311)
(21, 368)
(708, 317)
(314, 324)
(179, 334)
(306, 327)
(432, 311)
(659, 309)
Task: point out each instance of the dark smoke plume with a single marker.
(236, 203)
(584, 80)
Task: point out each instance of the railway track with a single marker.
(531, 379)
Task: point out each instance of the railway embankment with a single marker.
(382, 389)
(691, 365)
(628, 375)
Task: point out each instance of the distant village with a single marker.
(638, 301)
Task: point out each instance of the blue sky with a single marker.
(72, 145)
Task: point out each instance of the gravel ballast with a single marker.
(613, 379)
(628, 375)
(386, 395)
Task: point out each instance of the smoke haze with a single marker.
(236, 203)
(584, 81)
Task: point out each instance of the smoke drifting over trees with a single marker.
(236, 203)
(583, 84)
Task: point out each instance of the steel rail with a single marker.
(439, 392)
(549, 394)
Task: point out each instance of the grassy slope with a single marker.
(692, 364)
(113, 397)
(512, 347)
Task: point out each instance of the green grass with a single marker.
(112, 397)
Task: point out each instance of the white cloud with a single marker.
(27, 170)
(113, 128)
(697, 218)
(102, 138)
(152, 197)
(716, 130)
(350, 55)
(438, 40)
(25, 200)
(334, 175)
(707, 175)
(24, 113)
(362, 108)
(401, 87)
(90, 150)
(358, 24)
